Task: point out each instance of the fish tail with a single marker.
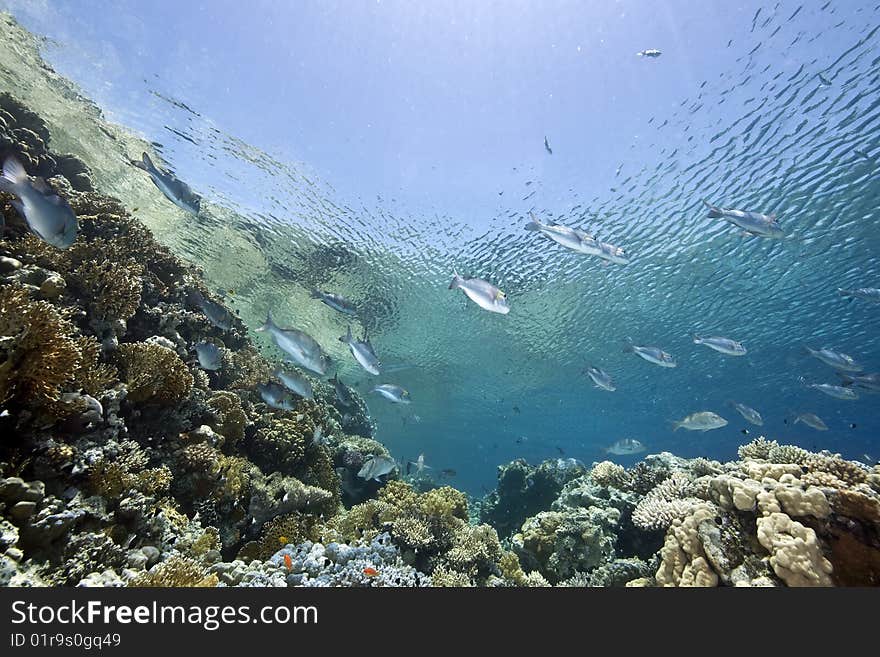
(534, 224)
(696, 338)
(676, 425)
(147, 163)
(846, 379)
(628, 347)
(268, 323)
(13, 174)
(314, 294)
(714, 211)
(456, 281)
(347, 337)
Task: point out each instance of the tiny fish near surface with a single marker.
(300, 346)
(835, 359)
(625, 446)
(653, 355)
(812, 420)
(748, 413)
(753, 223)
(393, 393)
(601, 378)
(335, 301)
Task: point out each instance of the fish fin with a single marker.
(13, 170)
(456, 281)
(696, 338)
(714, 211)
(347, 337)
(54, 199)
(147, 163)
(314, 294)
(845, 379)
(534, 224)
(676, 425)
(772, 217)
(19, 207)
(268, 323)
(41, 185)
(628, 348)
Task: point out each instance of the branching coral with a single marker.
(758, 449)
(38, 348)
(177, 572)
(230, 420)
(154, 373)
(608, 473)
(112, 290)
(669, 501)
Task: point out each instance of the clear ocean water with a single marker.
(371, 149)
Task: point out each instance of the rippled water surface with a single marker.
(373, 151)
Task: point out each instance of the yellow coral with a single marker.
(38, 349)
(112, 290)
(154, 373)
(230, 418)
(175, 572)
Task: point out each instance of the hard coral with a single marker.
(154, 373)
(177, 572)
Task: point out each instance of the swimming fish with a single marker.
(811, 420)
(863, 154)
(295, 382)
(838, 392)
(485, 295)
(601, 378)
(753, 223)
(276, 396)
(343, 394)
(362, 351)
(748, 413)
(371, 572)
(866, 381)
(625, 446)
(871, 294)
(377, 466)
(651, 354)
(701, 421)
(393, 393)
(836, 359)
(210, 357)
(650, 52)
(301, 347)
(722, 345)
(825, 82)
(420, 463)
(570, 238)
(176, 191)
(547, 145)
(216, 314)
(48, 215)
(318, 437)
(336, 302)
(288, 562)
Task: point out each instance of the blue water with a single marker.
(370, 148)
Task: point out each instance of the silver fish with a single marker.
(748, 413)
(754, 223)
(811, 420)
(484, 294)
(276, 396)
(601, 378)
(377, 466)
(570, 238)
(838, 392)
(651, 354)
(650, 52)
(393, 393)
(866, 381)
(216, 314)
(625, 446)
(722, 345)
(578, 240)
(343, 394)
(47, 215)
(210, 357)
(176, 191)
(420, 464)
(836, 359)
(338, 303)
(301, 347)
(871, 294)
(363, 352)
(318, 437)
(547, 145)
(295, 382)
(701, 421)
